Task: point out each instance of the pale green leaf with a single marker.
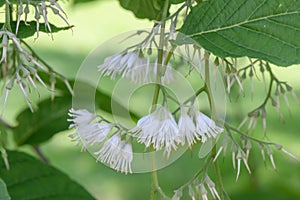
(29, 178)
(264, 29)
(3, 191)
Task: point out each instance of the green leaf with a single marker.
(177, 1)
(3, 191)
(29, 30)
(150, 9)
(264, 29)
(49, 119)
(2, 2)
(29, 178)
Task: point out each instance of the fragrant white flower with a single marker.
(117, 154)
(158, 129)
(187, 129)
(81, 117)
(130, 65)
(94, 133)
(205, 127)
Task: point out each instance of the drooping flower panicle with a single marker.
(134, 66)
(160, 129)
(115, 152)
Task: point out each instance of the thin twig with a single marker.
(40, 154)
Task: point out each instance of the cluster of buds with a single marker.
(198, 189)
(231, 74)
(40, 11)
(194, 55)
(281, 89)
(21, 67)
(252, 119)
(268, 147)
(240, 153)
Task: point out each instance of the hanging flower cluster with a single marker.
(159, 130)
(115, 151)
(134, 66)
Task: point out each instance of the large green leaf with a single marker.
(29, 178)
(150, 9)
(265, 29)
(29, 30)
(3, 191)
(49, 119)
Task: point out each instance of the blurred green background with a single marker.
(97, 22)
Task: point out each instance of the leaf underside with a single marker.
(264, 29)
(29, 178)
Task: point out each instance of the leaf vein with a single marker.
(243, 23)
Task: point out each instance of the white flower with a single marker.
(94, 133)
(130, 65)
(187, 129)
(134, 66)
(87, 133)
(117, 154)
(158, 129)
(81, 117)
(205, 127)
